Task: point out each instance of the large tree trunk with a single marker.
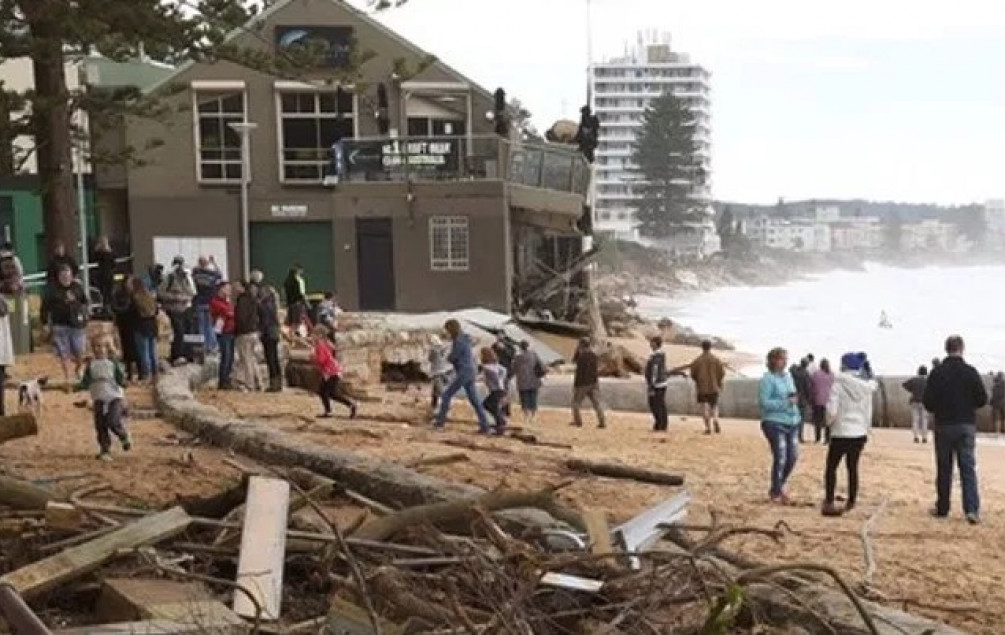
(51, 119)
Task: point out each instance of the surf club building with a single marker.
(384, 179)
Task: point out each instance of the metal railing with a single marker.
(386, 159)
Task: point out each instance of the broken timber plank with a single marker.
(263, 547)
(47, 574)
(22, 494)
(128, 600)
(63, 516)
(17, 426)
(157, 627)
(618, 470)
(598, 531)
(443, 459)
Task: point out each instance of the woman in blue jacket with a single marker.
(780, 421)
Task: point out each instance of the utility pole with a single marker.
(244, 130)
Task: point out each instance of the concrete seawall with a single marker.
(738, 399)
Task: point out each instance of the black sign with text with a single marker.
(432, 157)
(335, 42)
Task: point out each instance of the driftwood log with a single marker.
(17, 426)
(23, 495)
(439, 513)
(618, 470)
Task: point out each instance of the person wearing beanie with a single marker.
(849, 413)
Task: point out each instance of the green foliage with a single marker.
(669, 168)
(722, 617)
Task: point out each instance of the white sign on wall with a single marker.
(288, 210)
(191, 248)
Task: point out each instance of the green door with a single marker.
(275, 247)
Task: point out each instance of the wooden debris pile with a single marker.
(294, 552)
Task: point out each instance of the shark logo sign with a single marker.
(335, 43)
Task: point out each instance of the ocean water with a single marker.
(834, 313)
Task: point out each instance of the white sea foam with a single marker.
(838, 312)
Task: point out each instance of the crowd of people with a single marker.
(951, 394)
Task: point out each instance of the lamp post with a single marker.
(80, 153)
(244, 129)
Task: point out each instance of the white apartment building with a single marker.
(929, 235)
(801, 235)
(622, 89)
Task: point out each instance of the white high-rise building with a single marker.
(621, 90)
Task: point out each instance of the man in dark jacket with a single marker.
(246, 325)
(953, 394)
(268, 326)
(656, 385)
(59, 260)
(505, 352)
(586, 384)
(804, 387)
(206, 278)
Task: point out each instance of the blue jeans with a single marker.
(784, 442)
(146, 354)
(226, 345)
(468, 385)
(206, 329)
(956, 441)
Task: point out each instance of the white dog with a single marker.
(29, 395)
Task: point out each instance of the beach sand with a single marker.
(921, 561)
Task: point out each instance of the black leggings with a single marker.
(849, 449)
(331, 390)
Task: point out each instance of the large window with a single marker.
(310, 123)
(448, 243)
(218, 147)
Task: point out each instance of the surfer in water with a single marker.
(884, 321)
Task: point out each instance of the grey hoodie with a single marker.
(849, 409)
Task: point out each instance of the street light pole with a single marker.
(83, 131)
(244, 129)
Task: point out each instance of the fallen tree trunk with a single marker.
(618, 470)
(17, 426)
(218, 505)
(23, 495)
(438, 513)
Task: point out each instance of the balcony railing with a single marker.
(551, 167)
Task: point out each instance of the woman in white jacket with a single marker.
(849, 415)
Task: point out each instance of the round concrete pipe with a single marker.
(739, 399)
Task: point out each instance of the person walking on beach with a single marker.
(462, 359)
(176, 295)
(104, 379)
(494, 375)
(206, 279)
(919, 416)
(849, 412)
(143, 317)
(586, 384)
(998, 403)
(246, 336)
(953, 394)
(657, 381)
(64, 314)
(505, 351)
(823, 381)
(708, 372)
(269, 329)
(104, 273)
(124, 315)
(327, 364)
(804, 389)
(780, 422)
(439, 368)
(529, 372)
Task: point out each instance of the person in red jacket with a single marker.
(221, 311)
(330, 370)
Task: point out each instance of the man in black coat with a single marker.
(953, 394)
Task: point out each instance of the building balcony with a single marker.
(544, 178)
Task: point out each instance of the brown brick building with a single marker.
(435, 213)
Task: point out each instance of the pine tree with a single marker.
(53, 32)
(669, 168)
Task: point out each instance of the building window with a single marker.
(448, 243)
(218, 147)
(310, 124)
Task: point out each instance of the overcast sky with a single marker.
(881, 99)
